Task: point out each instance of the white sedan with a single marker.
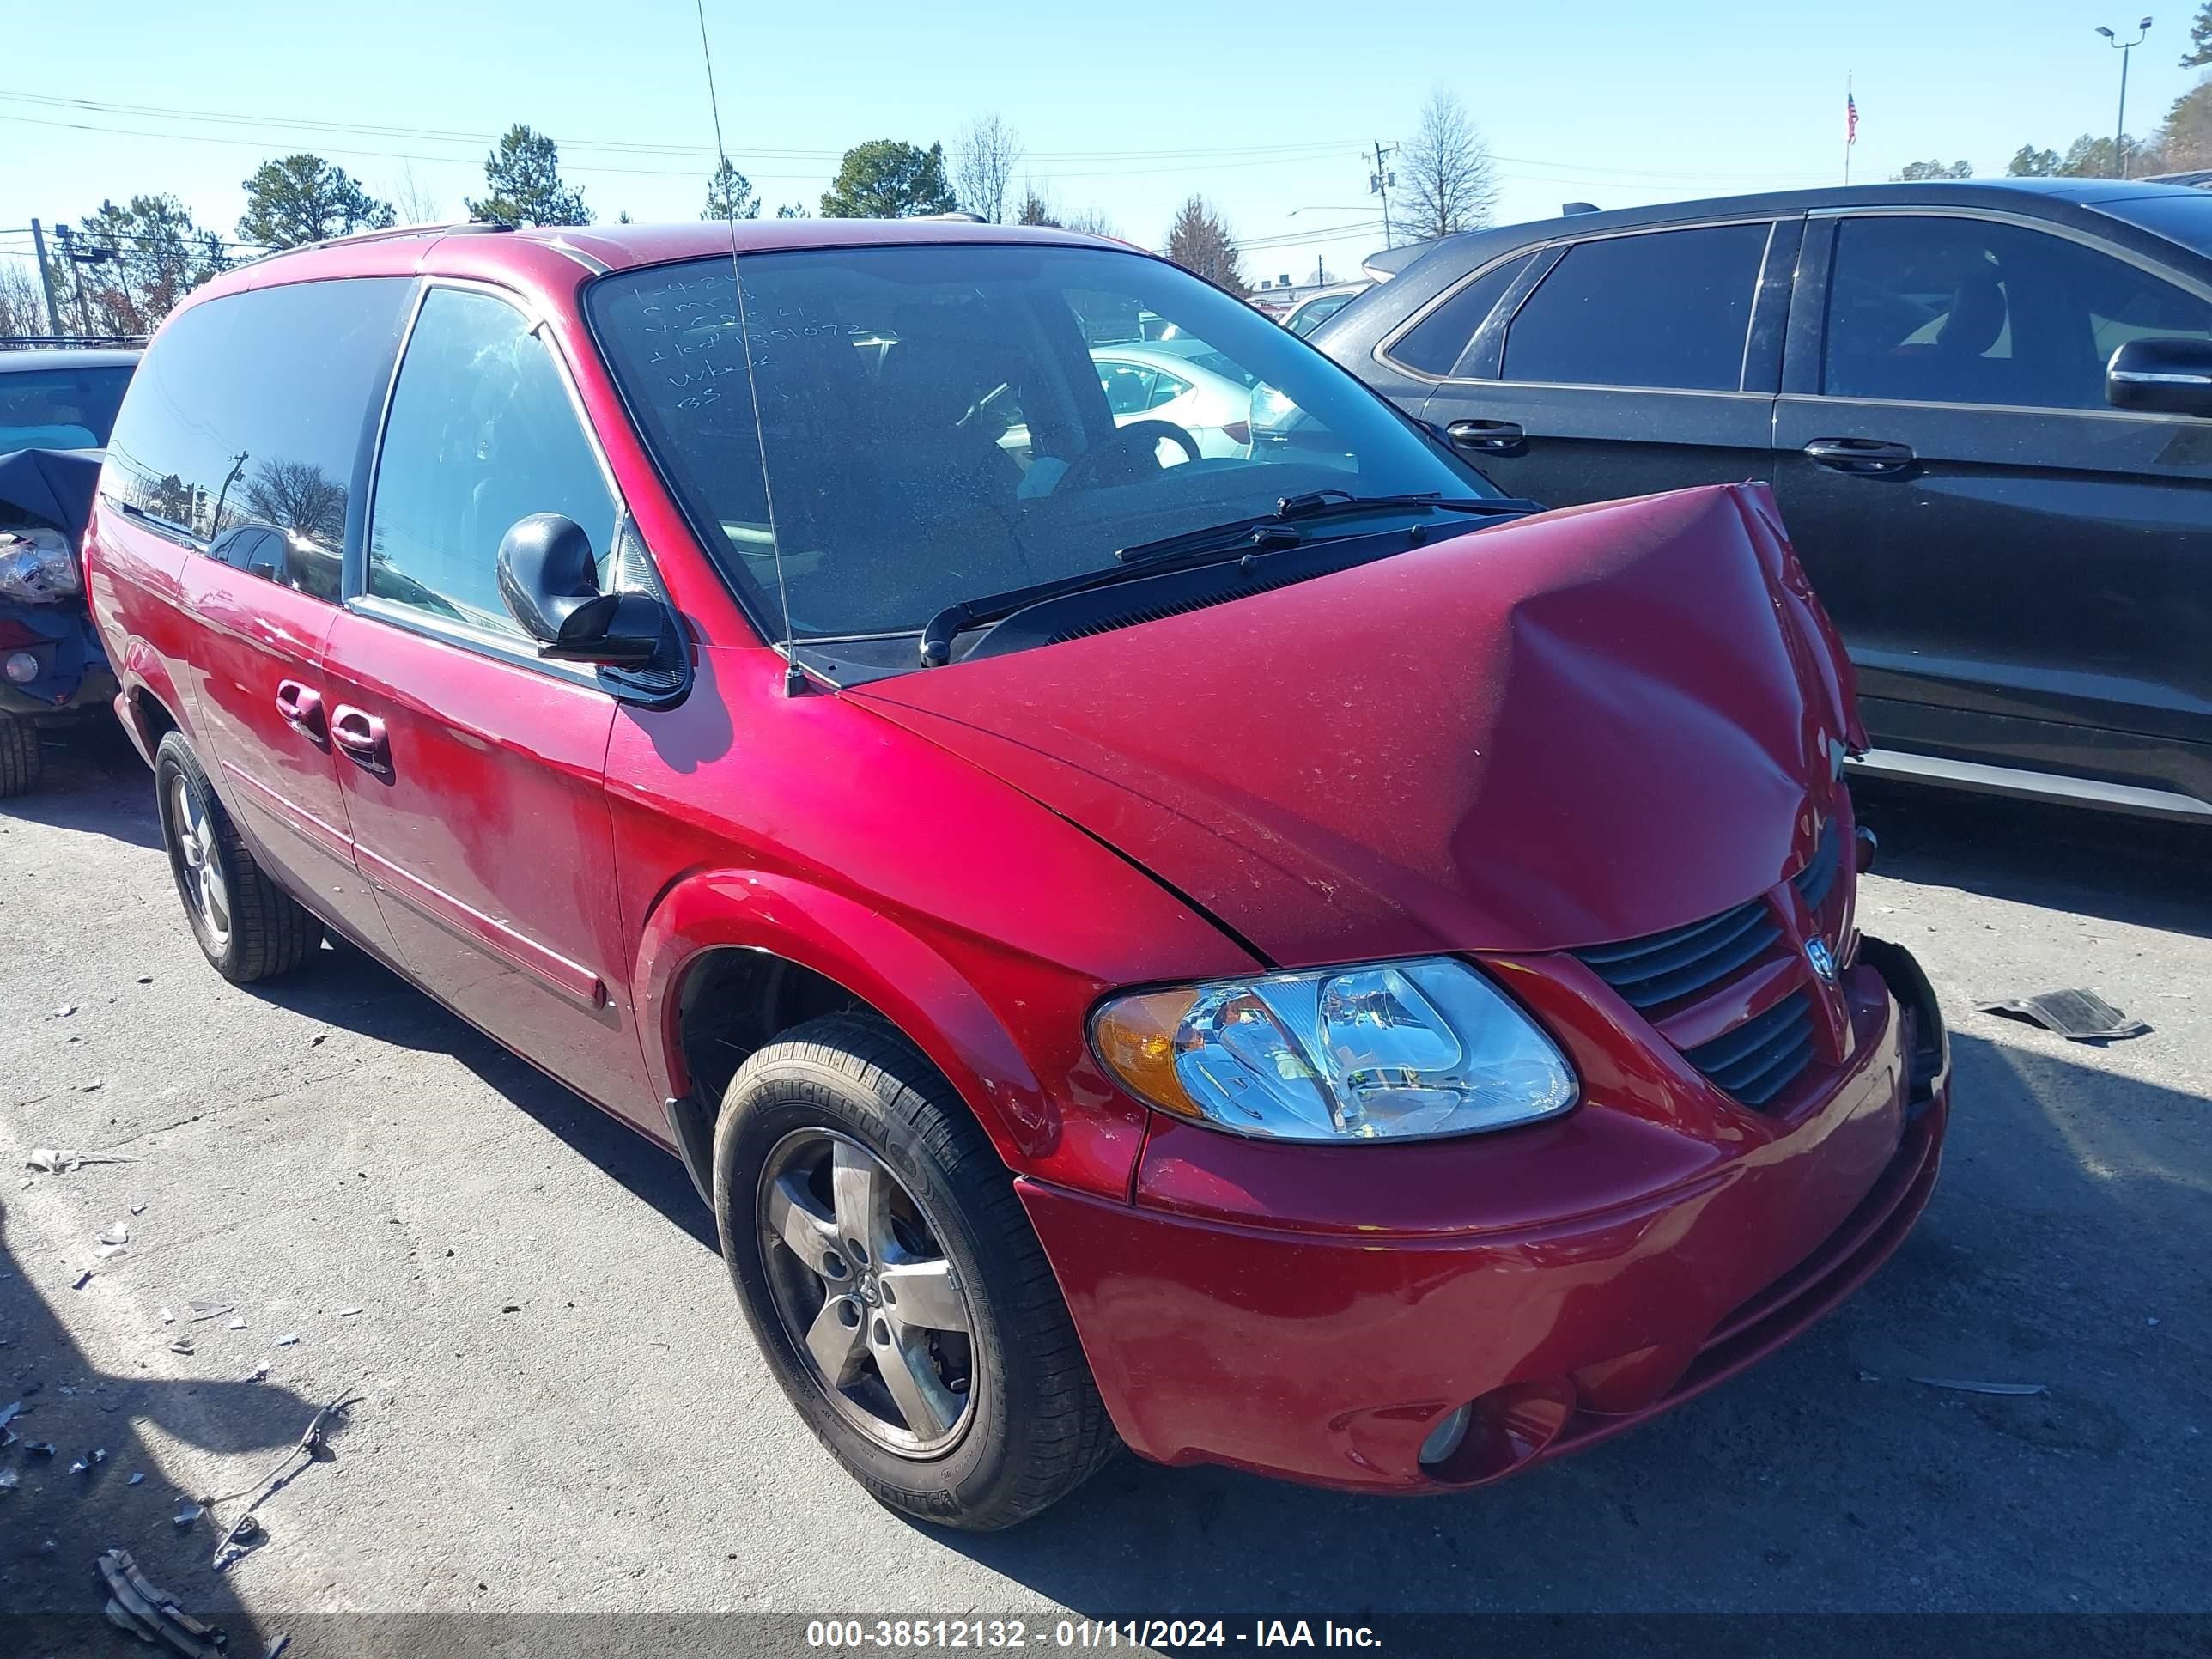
(1185, 382)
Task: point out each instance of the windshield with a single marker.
(945, 421)
(58, 408)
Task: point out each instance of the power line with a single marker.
(449, 135)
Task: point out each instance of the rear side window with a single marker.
(1944, 309)
(1435, 344)
(1667, 308)
(481, 433)
(248, 411)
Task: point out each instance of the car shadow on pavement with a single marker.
(2068, 1244)
(55, 1520)
(347, 988)
(94, 784)
(2146, 871)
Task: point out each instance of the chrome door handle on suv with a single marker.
(1869, 456)
(1488, 437)
(362, 736)
(301, 707)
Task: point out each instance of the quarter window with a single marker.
(1970, 311)
(1665, 308)
(481, 433)
(247, 413)
(1435, 344)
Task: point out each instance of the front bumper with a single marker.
(73, 670)
(1570, 1279)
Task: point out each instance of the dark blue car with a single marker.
(56, 405)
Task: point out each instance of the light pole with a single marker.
(2120, 131)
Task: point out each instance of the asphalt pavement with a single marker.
(556, 1409)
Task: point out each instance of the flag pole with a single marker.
(1850, 135)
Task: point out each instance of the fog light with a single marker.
(1444, 1439)
(22, 667)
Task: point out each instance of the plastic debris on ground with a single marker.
(288, 1339)
(11, 1411)
(189, 1513)
(1966, 1385)
(7, 1479)
(40, 1447)
(136, 1477)
(277, 1644)
(347, 1312)
(135, 1604)
(117, 1234)
(199, 1311)
(2082, 1015)
(182, 1345)
(60, 1160)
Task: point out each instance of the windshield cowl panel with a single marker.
(889, 430)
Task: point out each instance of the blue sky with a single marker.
(1126, 108)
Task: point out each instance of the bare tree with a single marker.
(22, 302)
(1445, 180)
(1091, 222)
(1200, 241)
(984, 158)
(298, 495)
(415, 201)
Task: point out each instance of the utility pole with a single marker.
(46, 277)
(214, 525)
(2126, 49)
(77, 278)
(1379, 183)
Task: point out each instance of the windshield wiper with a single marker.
(1215, 545)
(1320, 504)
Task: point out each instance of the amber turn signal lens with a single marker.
(1135, 1037)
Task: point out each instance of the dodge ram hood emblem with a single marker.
(1822, 958)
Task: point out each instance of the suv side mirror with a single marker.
(2161, 375)
(550, 579)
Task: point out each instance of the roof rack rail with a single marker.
(441, 227)
(25, 341)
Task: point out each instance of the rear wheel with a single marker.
(247, 927)
(894, 1283)
(20, 764)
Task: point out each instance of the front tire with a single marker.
(894, 1283)
(247, 927)
(21, 763)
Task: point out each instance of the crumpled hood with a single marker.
(1585, 725)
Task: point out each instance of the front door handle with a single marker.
(362, 736)
(1488, 437)
(1871, 457)
(301, 708)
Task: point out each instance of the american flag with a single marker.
(1851, 119)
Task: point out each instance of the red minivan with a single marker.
(1283, 957)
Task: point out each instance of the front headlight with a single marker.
(1392, 1050)
(37, 567)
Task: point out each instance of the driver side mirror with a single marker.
(549, 577)
(2161, 375)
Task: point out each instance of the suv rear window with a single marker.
(58, 408)
(1662, 309)
(249, 409)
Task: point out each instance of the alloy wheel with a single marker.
(201, 873)
(866, 1293)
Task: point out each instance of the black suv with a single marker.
(1986, 408)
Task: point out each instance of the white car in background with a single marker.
(1184, 382)
(1311, 313)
